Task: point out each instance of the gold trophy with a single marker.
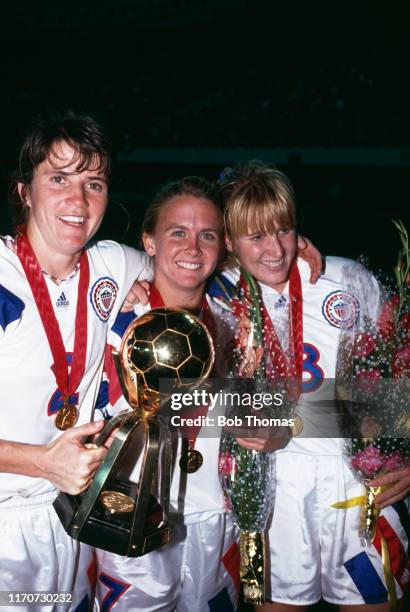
(116, 514)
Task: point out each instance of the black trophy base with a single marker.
(112, 532)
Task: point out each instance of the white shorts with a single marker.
(315, 550)
(37, 554)
(198, 571)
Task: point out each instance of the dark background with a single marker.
(191, 87)
(322, 90)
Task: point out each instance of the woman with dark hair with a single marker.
(58, 297)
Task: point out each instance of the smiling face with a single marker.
(267, 256)
(186, 244)
(66, 206)
(260, 221)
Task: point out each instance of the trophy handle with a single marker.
(166, 467)
(130, 391)
(110, 426)
(148, 468)
(131, 420)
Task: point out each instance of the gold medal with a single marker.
(297, 427)
(66, 417)
(116, 503)
(67, 382)
(191, 461)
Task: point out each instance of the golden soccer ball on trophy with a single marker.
(116, 514)
(164, 344)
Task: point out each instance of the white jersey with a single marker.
(315, 549)
(199, 568)
(30, 398)
(328, 307)
(189, 497)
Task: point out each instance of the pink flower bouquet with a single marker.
(373, 380)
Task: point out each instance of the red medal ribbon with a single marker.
(296, 297)
(155, 298)
(190, 433)
(281, 365)
(66, 383)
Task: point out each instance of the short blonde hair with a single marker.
(257, 198)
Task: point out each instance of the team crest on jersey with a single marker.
(102, 297)
(340, 309)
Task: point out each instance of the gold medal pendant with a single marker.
(297, 426)
(190, 461)
(116, 503)
(67, 416)
(67, 382)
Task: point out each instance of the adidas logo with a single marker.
(62, 301)
(280, 302)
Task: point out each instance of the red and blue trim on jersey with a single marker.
(361, 569)
(11, 307)
(116, 589)
(221, 602)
